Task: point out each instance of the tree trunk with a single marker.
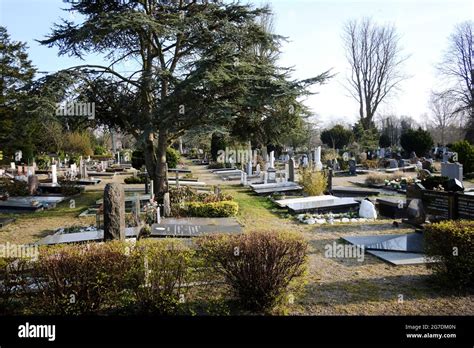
(161, 171)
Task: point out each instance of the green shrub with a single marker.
(14, 187)
(100, 150)
(135, 180)
(465, 155)
(69, 187)
(451, 243)
(258, 266)
(214, 209)
(419, 141)
(43, 162)
(313, 183)
(172, 157)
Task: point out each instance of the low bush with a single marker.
(370, 164)
(162, 272)
(69, 187)
(379, 178)
(219, 165)
(451, 243)
(79, 279)
(313, 183)
(259, 267)
(14, 187)
(135, 180)
(213, 209)
(114, 277)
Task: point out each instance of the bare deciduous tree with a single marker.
(457, 68)
(444, 112)
(374, 54)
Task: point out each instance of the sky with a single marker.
(313, 29)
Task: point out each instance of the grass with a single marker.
(63, 209)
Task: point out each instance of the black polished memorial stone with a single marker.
(440, 204)
(465, 206)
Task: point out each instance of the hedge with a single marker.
(213, 209)
(451, 243)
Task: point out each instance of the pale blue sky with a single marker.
(314, 29)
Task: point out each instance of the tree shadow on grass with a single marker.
(411, 287)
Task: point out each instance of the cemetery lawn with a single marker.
(333, 286)
(29, 228)
(349, 287)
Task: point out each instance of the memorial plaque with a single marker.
(195, 227)
(439, 203)
(465, 206)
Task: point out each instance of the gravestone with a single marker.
(32, 184)
(272, 159)
(454, 185)
(440, 204)
(54, 174)
(382, 153)
(465, 206)
(352, 167)
(249, 168)
(317, 159)
(114, 212)
(415, 212)
(367, 210)
(392, 163)
(452, 170)
(167, 204)
(258, 169)
(291, 170)
(271, 175)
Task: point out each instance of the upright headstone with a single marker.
(291, 170)
(249, 168)
(317, 159)
(272, 159)
(167, 204)
(452, 170)
(32, 184)
(265, 177)
(114, 212)
(382, 153)
(54, 174)
(258, 169)
(352, 167)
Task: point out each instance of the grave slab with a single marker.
(195, 227)
(401, 258)
(284, 202)
(81, 237)
(339, 205)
